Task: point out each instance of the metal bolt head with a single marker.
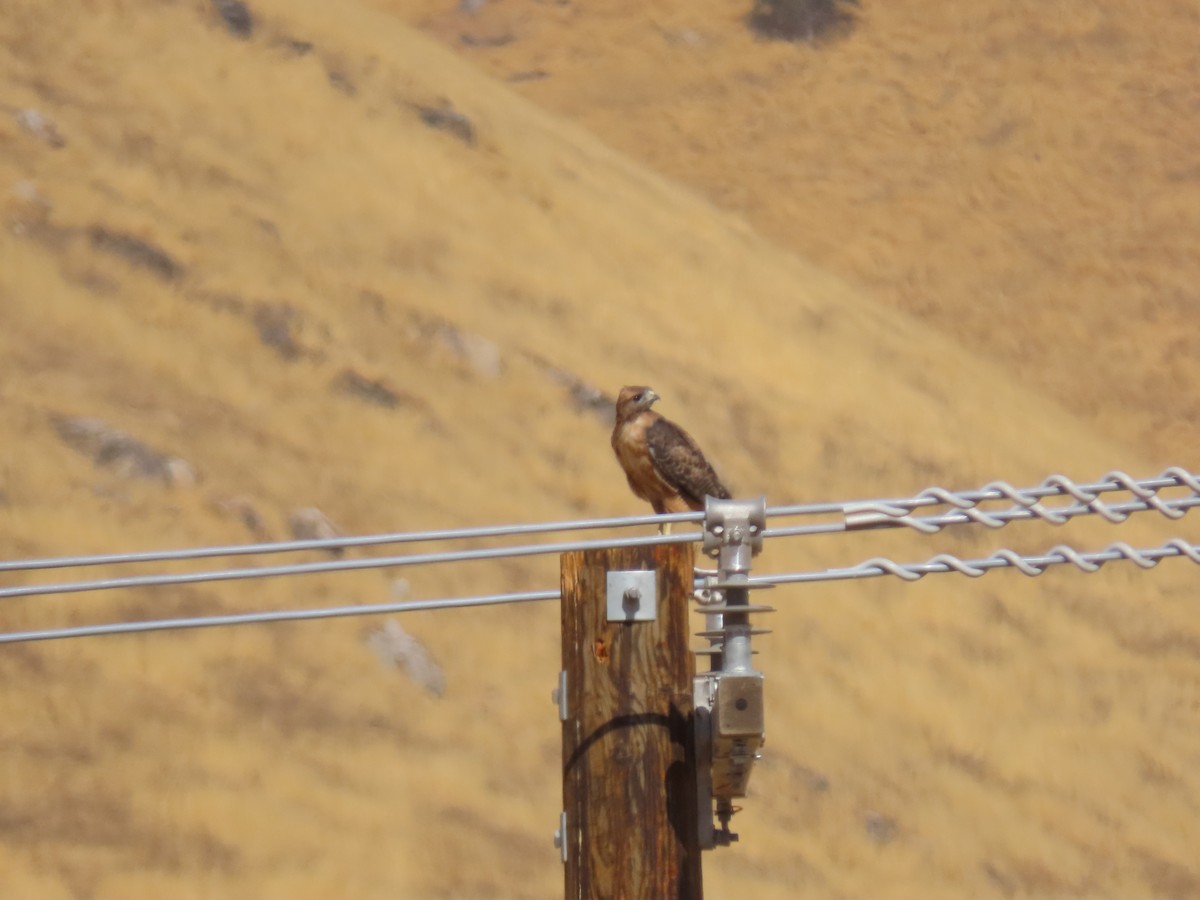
(631, 601)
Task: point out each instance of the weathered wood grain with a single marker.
(628, 775)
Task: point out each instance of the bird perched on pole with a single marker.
(664, 465)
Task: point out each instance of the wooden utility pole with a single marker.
(629, 785)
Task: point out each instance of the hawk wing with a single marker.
(681, 464)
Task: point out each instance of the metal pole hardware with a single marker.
(729, 720)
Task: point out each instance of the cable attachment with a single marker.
(707, 594)
(733, 534)
(728, 699)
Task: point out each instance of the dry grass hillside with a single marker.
(329, 264)
(1020, 175)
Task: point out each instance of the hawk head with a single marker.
(634, 399)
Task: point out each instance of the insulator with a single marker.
(720, 633)
(718, 608)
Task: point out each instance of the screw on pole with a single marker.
(729, 697)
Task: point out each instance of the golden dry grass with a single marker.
(1024, 737)
(1020, 176)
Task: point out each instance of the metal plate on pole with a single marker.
(632, 596)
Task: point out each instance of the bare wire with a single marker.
(340, 565)
(1114, 513)
(407, 537)
(1031, 565)
(285, 615)
(857, 514)
(1053, 485)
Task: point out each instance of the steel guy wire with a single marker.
(286, 615)
(1031, 565)
(341, 565)
(864, 518)
(403, 537)
(869, 514)
(858, 514)
(1055, 485)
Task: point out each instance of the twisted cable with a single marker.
(1031, 565)
(1027, 502)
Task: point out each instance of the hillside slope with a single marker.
(256, 255)
(1021, 177)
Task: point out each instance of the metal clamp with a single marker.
(733, 532)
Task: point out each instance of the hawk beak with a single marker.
(651, 397)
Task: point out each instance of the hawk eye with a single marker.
(638, 395)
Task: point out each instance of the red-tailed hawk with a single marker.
(663, 464)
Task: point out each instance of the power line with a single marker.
(860, 514)
(1031, 565)
(339, 543)
(341, 565)
(863, 518)
(856, 515)
(286, 615)
(1054, 485)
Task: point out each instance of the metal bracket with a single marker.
(559, 696)
(702, 741)
(632, 596)
(735, 526)
(709, 835)
(560, 836)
